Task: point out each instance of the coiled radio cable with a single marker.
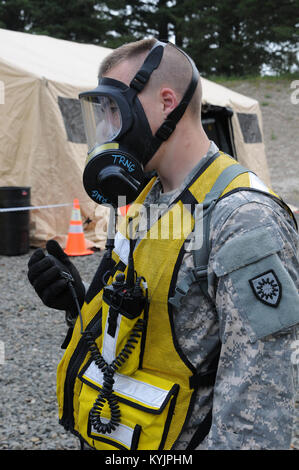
(106, 394)
(132, 301)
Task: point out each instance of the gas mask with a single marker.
(119, 137)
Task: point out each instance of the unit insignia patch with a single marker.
(267, 288)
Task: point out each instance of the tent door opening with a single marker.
(216, 121)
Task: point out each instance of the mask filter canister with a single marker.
(109, 167)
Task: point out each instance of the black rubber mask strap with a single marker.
(169, 125)
(138, 83)
(151, 63)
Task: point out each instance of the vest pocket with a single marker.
(146, 404)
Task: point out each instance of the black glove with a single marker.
(45, 274)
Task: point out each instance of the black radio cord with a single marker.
(106, 393)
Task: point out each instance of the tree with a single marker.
(223, 37)
(14, 14)
(74, 20)
(237, 38)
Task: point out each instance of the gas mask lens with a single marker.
(102, 119)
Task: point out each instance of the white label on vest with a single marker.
(122, 434)
(122, 247)
(109, 342)
(147, 394)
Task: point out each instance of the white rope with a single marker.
(32, 208)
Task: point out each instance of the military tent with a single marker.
(42, 141)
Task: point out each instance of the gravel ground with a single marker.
(31, 334)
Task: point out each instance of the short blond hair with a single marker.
(174, 70)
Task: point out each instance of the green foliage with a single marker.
(224, 37)
(14, 14)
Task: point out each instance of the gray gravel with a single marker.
(32, 335)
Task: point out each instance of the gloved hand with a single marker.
(45, 275)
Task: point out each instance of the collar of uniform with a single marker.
(156, 196)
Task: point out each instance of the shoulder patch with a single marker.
(264, 294)
(267, 288)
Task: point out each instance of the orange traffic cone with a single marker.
(124, 209)
(76, 245)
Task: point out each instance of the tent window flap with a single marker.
(70, 109)
(250, 128)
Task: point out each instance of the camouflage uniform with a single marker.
(253, 396)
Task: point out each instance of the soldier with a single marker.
(222, 314)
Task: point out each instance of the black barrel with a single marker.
(14, 225)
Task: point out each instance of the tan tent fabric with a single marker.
(34, 150)
(251, 155)
(35, 73)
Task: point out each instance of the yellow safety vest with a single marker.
(154, 387)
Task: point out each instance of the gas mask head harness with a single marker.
(119, 137)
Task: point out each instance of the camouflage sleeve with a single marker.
(253, 273)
